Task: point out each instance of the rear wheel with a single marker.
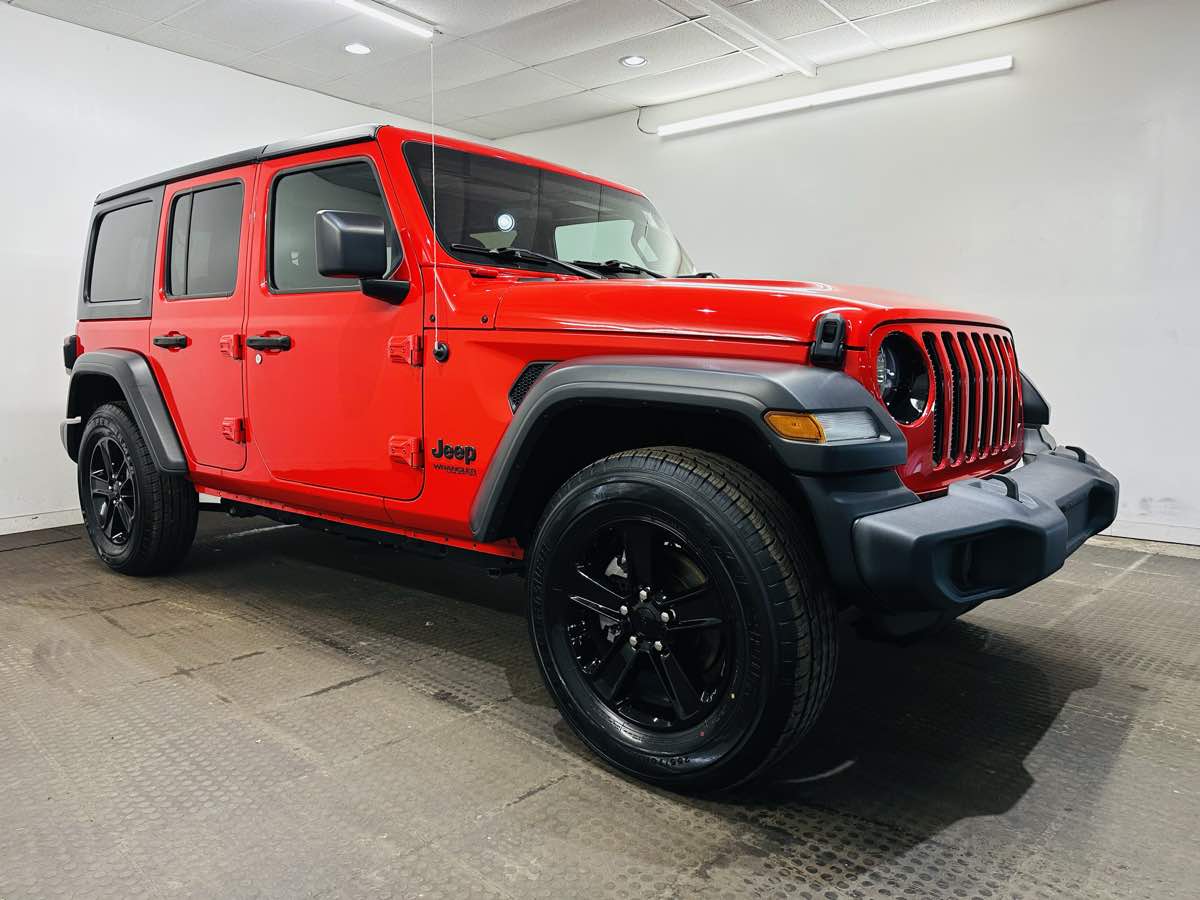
(141, 521)
(680, 618)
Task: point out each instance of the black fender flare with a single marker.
(135, 378)
(745, 388)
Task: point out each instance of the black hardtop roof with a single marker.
(351, 135)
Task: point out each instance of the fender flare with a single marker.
(135, 378)
(744, 388)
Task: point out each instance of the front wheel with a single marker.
(141, 521)
(680, 618)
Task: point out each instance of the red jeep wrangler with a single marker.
(491, 354)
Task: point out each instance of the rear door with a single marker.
(199, 308)
(338, 408)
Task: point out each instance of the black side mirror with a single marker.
(355, 245)
(351, 244)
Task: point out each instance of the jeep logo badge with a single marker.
(466, 453)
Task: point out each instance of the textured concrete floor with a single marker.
(298, 715)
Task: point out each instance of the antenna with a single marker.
(440, 351)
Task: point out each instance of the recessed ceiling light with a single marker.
(633, 62)
(358, 49)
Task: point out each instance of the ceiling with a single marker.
(502, 67)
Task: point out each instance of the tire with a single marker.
(735, 643)
(141, 521)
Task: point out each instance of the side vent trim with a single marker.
(528, 377)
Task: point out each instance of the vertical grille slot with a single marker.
(955, 393)
(938, 395)
(973, 394)
(1000, 392)
(987, 413)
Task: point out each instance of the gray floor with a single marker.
(298, 715)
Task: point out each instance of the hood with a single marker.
(777, 311)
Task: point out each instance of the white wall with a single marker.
(1064, 197)
(82, 111)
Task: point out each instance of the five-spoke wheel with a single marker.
(114, 497)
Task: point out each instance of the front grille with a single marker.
(976, 410)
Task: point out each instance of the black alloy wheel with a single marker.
(114, 495)
(681, 620)
(644, 621)
(141, 520)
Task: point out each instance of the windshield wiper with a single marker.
(700, 275)
(523, 255)
(618, 265)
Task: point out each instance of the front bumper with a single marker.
(985, 538)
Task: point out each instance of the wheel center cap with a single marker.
(646, 620)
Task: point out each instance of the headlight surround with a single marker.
(902, 378)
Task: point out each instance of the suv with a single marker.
(444, 344)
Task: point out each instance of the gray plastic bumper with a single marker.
(987, 537)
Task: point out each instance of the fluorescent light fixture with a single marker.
(358, 49)
(844, 95)
(390, 15)
(634, 62)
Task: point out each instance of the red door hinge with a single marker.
(405, 349)
(406, 450)
(231, 345)
(234, 430)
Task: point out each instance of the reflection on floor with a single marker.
(298, 715)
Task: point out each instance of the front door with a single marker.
(199, 307)
(334, 399)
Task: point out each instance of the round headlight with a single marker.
(901, 378)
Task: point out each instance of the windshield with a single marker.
(490, 203)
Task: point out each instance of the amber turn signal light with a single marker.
(796, 426)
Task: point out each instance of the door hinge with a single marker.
(406, 450)
(405, 349)
(231, 345)
(234, 430)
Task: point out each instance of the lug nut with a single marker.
(666, 617)
(633, 640)
(643, 594)
(658, 646)
(624, 610)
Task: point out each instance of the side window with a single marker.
(296, 199)
(206, 227)
(123, 254)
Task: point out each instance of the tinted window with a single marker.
(487, 203)
(123, 254)
(350, 187)
(205, 235)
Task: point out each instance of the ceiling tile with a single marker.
(831, 45)
(576, 27)
(946, 18)
(455, 64)
(258, 25)
(720, 74)
(91, 15)
(189, 44)
(786, 18)
(664, 50)
(858, 9)
(463, 17)
(550, 114)
(154, 10)
(324, 50)
(517, 88)
(286, 72)
(479, 128)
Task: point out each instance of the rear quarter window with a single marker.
(123, 254)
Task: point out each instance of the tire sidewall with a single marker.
(746, 730)
(107, 423)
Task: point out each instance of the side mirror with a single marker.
(351, 244)
(355, 245)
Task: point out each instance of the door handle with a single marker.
(171, 341)
(269, 342)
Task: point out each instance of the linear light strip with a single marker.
(931, 77)
(390, 15)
